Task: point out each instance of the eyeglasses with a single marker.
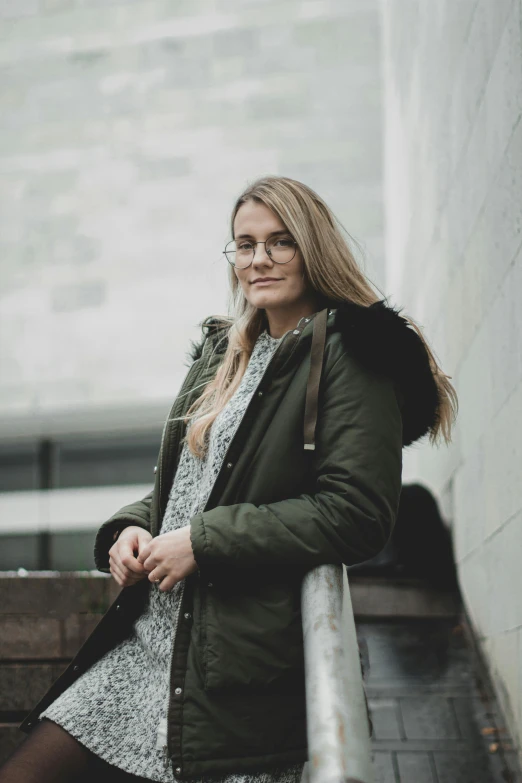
(240, 254)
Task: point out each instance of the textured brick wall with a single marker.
(453, 139)
(43, 622)
(128, 128)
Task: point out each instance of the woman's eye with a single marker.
(245, 246)
(286, 242)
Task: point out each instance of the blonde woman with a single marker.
(282, 452)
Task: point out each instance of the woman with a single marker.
(282, 451)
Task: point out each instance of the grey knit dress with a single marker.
(118, 707)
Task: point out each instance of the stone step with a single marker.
(55, 594)
(397, 598)
(29, 637)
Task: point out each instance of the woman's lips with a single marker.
(266, 282)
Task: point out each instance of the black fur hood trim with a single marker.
(384, 342)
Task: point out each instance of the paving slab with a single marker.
(435, 718)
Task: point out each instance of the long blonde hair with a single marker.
(330, 269)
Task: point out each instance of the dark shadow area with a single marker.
(420, 545)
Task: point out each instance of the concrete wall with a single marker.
(128, 129)
(453, 139)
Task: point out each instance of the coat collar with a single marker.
(382, 341)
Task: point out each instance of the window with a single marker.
(85, 461)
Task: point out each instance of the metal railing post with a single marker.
(339, 749)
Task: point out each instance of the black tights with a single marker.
(51, 755)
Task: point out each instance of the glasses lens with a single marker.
(240, 254)
(282, 249)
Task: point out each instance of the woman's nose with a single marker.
(260, 254)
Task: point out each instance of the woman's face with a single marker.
(265, 283)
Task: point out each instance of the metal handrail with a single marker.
(339, 749)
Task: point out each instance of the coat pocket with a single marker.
(250, 634)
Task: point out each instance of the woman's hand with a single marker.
(123, 562)
(169, 558)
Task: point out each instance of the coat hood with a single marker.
(383, 341)
(380, 339)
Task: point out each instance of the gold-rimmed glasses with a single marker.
(281, 249)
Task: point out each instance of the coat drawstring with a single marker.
(314, 378)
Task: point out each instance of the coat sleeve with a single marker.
(349, 513)
(137, 513)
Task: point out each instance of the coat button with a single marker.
(118, 607)
(260, 394)
(76, 668)
(230, 465)
(177, 691)
(296, 331)
(155, 468)
(178, 770)
(210, 584)
(187, 615)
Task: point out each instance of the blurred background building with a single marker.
(128, 128)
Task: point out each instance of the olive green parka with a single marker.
(277, 509)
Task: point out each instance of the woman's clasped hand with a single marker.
(168, 558)
(165, 559)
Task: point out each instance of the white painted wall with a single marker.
(453, 183)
